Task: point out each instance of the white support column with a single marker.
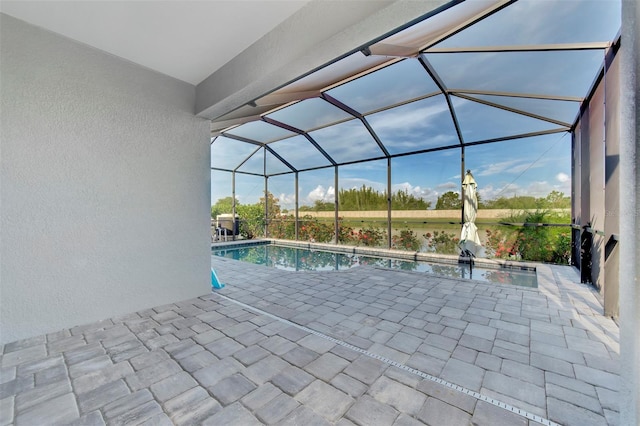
(629, 218)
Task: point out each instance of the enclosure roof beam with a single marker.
(520, 136)
(443, 88)
(360, 117)
(521, 48)
(514, 110)
(517, 95)
(303, 133)
(408, 101)
(469, 22)
(277, 59)
(436, 149)
(241, 139)
(262, 144)
(247, 159)
(279, 157)
(239, 171)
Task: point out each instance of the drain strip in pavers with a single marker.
(401, 366)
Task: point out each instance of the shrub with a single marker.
(311, 229)
(442, 242)
(407, 240)
(345, 233)
(531, 242)
(283, 227)
(502, 245)
(369, 235)
(562, 249)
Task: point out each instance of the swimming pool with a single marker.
(302, 259)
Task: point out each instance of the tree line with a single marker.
(554, 200)
(366, 198)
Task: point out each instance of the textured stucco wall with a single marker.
(104, 186)
(630, 215)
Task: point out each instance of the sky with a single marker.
(403, 106)
(532, 166)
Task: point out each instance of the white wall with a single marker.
(104, 206)
(630, 215)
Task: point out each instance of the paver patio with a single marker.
(365, 346)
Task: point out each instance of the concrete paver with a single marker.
(102, 396)
(326, 366)
(233, 415)
(276, 409)
(489, 414)
(6, 410)
(229, 390)
(58, 410)
(41, 394)
(210, 360)
(401, 397)
(95, 418)
(437, 412)
(367, 411)
(325, 400)
(172, 386)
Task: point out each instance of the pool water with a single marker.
(298, 259)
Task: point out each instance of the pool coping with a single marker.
(544, 275)
(378, 251)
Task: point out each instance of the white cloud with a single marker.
(536, 189)
(404, 186)
(540, 188)
(317, 194)
(321, 194)
(331, 193)
(487, 192)
(563, 177)
(420, 118)
(426, 194)
(287, 200)
(448, 186)
(501, 167)
(351, 183)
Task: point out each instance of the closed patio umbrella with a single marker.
(469, 240)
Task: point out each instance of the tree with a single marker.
(481, 204)
(554, 200)
(367, 198)
(557, 199)
(449, 201)
(515, 203)
(322, 206)
(359, 199)
(273, 203)
(318, 206)
(251, 220)
(402, 200)
(223, 205)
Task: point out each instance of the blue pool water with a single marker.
(297, 259)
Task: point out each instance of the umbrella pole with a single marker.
(463, 175)
(467, 253)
